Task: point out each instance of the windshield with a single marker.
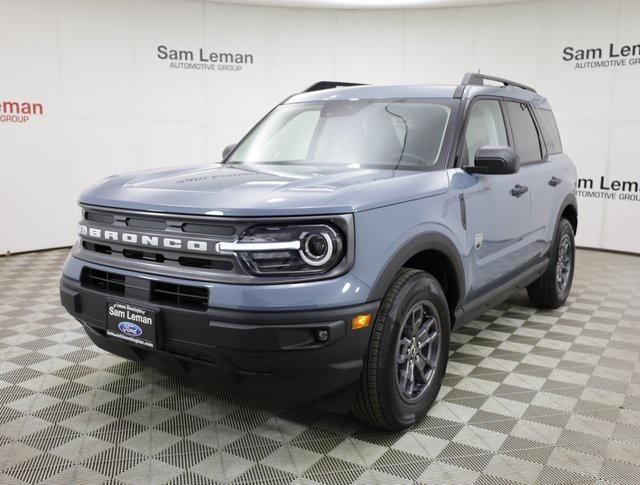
(355, 133)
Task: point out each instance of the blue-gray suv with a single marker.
(331, 253)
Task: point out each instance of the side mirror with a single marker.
(228, 149)
(494, 160)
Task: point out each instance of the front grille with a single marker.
(99, 217)
(172, 294)
(163, 223)
(182, 246)
(195, 297)
(98, 248)
(216, 264)
(158, 225)
(210, 229)
(104, 281)
(186, 261)
(147, 256)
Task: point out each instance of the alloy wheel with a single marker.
(417, 351)
(564, 263)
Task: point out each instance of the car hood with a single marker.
(264, 190)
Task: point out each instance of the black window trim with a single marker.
(457, 162)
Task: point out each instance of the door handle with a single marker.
(555, 181)
(519, 190)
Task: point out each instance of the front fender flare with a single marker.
(422, 242)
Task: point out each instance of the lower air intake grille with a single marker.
(195, 297)
(104, 281)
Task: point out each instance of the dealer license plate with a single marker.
(131, 323)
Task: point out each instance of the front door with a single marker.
(497, 206)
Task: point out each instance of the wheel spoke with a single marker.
(404, 377)
(427, 325)
(403, 355)
(416, 319)
(422, 368)
(431, 338)
(432, 354)
(402, 352)
(407, 379)
(410, 378)
(423, 337)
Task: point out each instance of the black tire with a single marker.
(549, 291)
(379, 400)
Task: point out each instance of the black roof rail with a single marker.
(330, 85)
(478, 79)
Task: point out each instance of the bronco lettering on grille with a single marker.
(143, 239)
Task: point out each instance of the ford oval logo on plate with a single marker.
(130, 329)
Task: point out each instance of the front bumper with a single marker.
(272, 353)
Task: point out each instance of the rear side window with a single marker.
(550, 131)
(484, 127)
(525, 134)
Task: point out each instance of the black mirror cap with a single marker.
(495, 160)
(227, 150)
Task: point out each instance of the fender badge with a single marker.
(478, 241)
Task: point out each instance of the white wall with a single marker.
(110, 105)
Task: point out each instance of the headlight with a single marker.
(278, 250)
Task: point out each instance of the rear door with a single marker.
(546, 182)
(538, 170)
(497, 217)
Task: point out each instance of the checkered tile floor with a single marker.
(529, 397)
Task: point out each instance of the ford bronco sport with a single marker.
(331, 253)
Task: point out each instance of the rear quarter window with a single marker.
(550, 131)
(525, 133)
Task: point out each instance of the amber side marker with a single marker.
(361, 321)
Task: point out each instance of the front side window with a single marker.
(485, 126)
(358, 133)
(525, 134)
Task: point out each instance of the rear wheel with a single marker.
(407, 355)
(553, 287)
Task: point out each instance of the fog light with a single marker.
(321, 335)
(361, 321)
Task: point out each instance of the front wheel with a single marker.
(553, 287)
(407, 355)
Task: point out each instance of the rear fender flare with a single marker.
(569, 200)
